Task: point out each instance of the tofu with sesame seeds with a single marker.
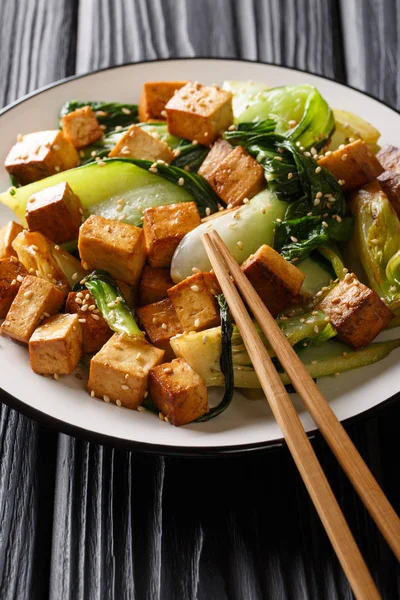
(81, 127)
(95, 330)
(161, 323)
(355, 311)
(113, 246)
(154, 285)
(178, 391)
(164, 227)
(12, 273)
(389, 156)
(194, 302)
(238, 176)
(40, 155)
(137, 143)
(155, 95)
(56, 345)
(199, 113)
(353, 164)
(119, 371)
(274, 278)
(219, 151)
(56, 212)
(36, 298)
(8, 233)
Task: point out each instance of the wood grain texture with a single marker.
(135, 527)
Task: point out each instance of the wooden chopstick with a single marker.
(334, 433)
(296, 438)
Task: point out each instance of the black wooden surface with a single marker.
(80, 521)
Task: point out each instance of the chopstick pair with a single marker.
(287, 418)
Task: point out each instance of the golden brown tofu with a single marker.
(56, 345)
(354, 164)
(237, 177)
(119, 372)
(8, 233)
(390, 184)
(178, 391)
(155, 95)
(154, 285)
(81, 127)
(113, 246)
(128, 292)
(161, 323)
(35, 300)
(219, 151)
(41, 154)
(194, 302)
(276, 280)
(199, 113)
(12, 273)
(389, 157)
(164, 227)
(356, 312)
(137, 143)
(95, 330)
(56, 212)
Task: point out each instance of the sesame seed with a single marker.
(197, 322)
(55, 376)
(338, 219)
(181, 181)
(344, 157)
(14, 281)
(279, 158)
(20, 278)
(290, 175)
(106, 398)
(318, 170)
(298, 144)
(316, 329)
(125, 387)
(57, 168)
(240, 245)
(84, 307)
(161, 416)
(146, 394)
(92, 394)
(294, 239)
(308, 154)
(204, 339)
(163, 326)
(337, 374)
(101, 163)
(168, 370)
(141, 409)
(278, 220)
(325, 224)
(195, 142)
(316, 201)
(246, 200)
(314, 362)
(195, 288)
(195, 270)
(82, 320)
(28, 294)
(92, 307)
(118, 402)
(374, 242)
(153, 169)
(96, 317)
(310, 321)
(125, 110)
(208, 211)
(283, 318)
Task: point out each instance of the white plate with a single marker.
(247, 424)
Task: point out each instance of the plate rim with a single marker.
(64, 427)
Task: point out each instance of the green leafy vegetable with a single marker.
(300, 112)
(109, 114)
(225, 362)
(198, 187)
(111, 303)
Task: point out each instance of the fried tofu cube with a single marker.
(161, 323)
(275, 279)
(137, 143)
(178, 392)
(12, 273)
(56, 212)
(237, 177)
(119, 372)
(164, 227)
(8, 233)
(95, 330)
(41, 154)
(194, 302)
(81, 127)
(199, 113)
(128, 292)
(155, 95)
(35, 300)
(113, 246)
(390, 184)
(356, 312)
(219, 151)
(389, 157)
(154, 285)
(354, 164)
(56, 345)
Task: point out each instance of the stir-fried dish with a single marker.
(103, 272)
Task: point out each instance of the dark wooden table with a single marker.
(81, 521)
